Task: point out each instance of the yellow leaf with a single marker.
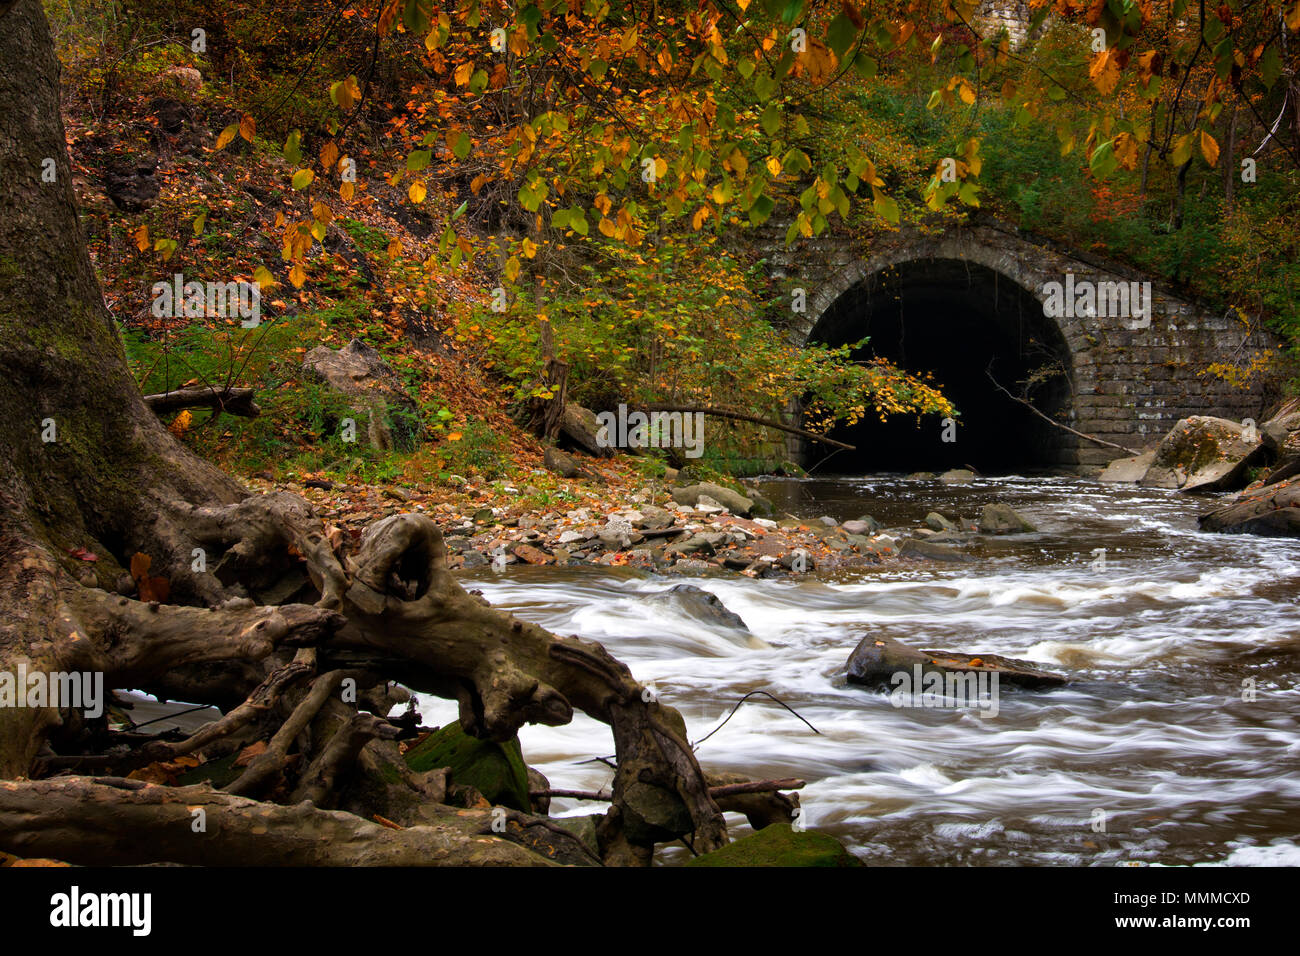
(227, 135)
(347, 190)
(248, 127)
(629, 39)
(701, 214)
(142, 238)
(463, 73)
(303, 178)
(200, 221)
(512, 268)
(1104, 72)
(529, 248)
(1209, 148)
(1293, 18)
(773, 166)
(322, 213)
(262, 276)
(967, 93)
(394, 248)
(297, 275)
(417, 192)
(181, 423)
(329, 155)
(454, 436)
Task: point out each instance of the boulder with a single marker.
(700, 605)
(496, 770)
(360, 373)
(1202, 454)
(875, 661)
(132, 187)
(1002, 519)
(1271, 511)
(864, 525)
(1281, 436)
(733, 501)
(1128, 470)
(780, 845)
(928, 551)
(957, 476)
(938, 522)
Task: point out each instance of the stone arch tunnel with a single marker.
(972, 298)
(972, 330)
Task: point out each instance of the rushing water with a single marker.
(1152, 736)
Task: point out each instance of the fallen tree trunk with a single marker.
(83, 820)
(752, 419)
(236, 401)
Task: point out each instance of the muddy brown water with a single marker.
(1156, 752)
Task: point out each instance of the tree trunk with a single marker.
(89, 469)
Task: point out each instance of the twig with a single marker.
(1053, 421)
(753, 693)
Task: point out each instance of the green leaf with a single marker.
(418, 160)
(771, 119)
(761, 210)
(303, 178)
(840, 34)
(886, 209)
(417, 16)
(461, 147)
(1103, 161)
(293, 148)
(865, 65)
(1270, 66)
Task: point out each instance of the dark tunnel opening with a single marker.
(959, 322)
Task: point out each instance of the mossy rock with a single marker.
(496, 770)
(780, 845)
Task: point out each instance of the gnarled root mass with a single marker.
(306, 688)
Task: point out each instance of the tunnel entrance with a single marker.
(960, 322)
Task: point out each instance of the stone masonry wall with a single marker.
(1130, 385)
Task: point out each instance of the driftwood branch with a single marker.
(752, 419)
(1052, 421)
(236, 401)
(722, 790)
